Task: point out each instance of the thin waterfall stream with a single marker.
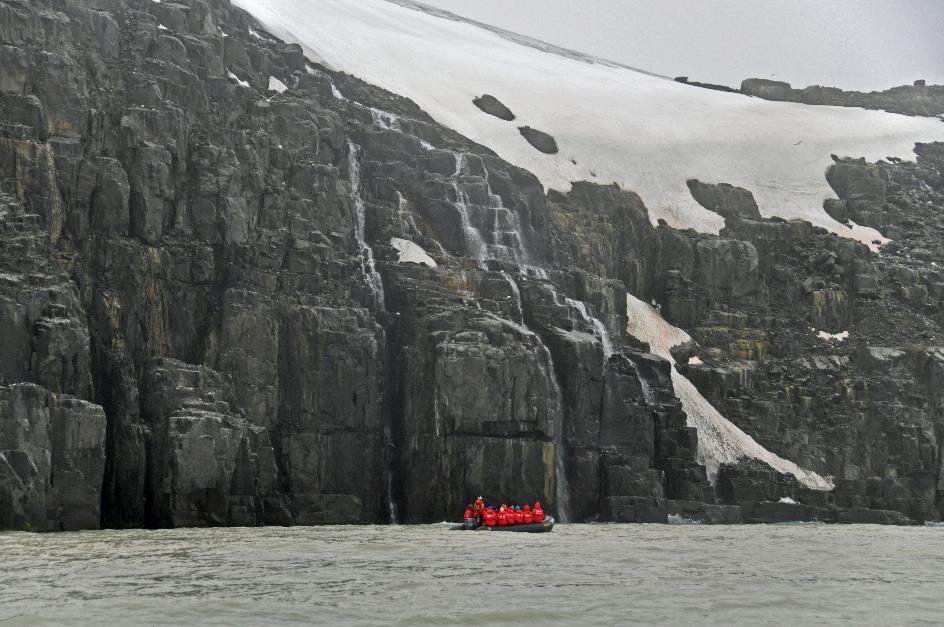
(375, 283)
(371, 276)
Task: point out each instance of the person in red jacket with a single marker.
(537, 514)
(468, 513)
(519, 516)
(490, 517)
(526, 515)
(502, 519)
(478, 508)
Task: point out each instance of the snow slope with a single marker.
(719, 440)
(645, 132)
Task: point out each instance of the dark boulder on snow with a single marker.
(539, 139)
(728, 201)
(493, 106)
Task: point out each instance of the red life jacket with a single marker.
(519, 517)
(502, 518)
(510, 516)
(527, 517)
(537, 515)
(468, 514)
(489, 517)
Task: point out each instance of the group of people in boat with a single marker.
(503, 515)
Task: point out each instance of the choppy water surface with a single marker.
(427, 575)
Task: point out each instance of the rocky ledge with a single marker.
(916, 99)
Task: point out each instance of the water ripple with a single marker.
(427, 575)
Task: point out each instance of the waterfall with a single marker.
(391, 122)
(375, 283)
(389, 449)
(334, 88)
(382, 119)
(386, 120)
(368, 267)
(647, 392)
(506, 243)
(475, 245)
(562, 495)
(719, 440)
(517, 294)
(597, 326)
(563, 487)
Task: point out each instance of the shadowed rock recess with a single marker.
(203, 320)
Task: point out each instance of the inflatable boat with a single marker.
(473, 525)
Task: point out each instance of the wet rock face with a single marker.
(52, 456)
(493, 106)
(202, 321)
(755, 301)
(539, 139)
(841, 405)
(194, 257)
(207, 464)
(184, 256)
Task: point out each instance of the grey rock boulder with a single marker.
(539, 139)
(493, 106)
(52, 458)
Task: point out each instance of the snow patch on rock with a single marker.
(242, 83)
(837, 337)
(719, 440)
(277, 85)
(411, 252)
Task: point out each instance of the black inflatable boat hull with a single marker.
(542, 527)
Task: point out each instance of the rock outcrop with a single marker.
(916, 99)
(52, 456)
(206, 317)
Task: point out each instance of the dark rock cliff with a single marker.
(204, 319)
